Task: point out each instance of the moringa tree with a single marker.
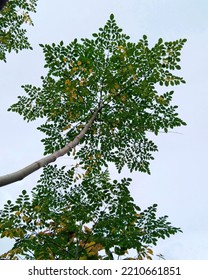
(98, 102)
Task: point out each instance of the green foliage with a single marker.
(94, 219)
(80, 213)
(117, 76)
(12, 17)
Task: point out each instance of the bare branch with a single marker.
(24, 172)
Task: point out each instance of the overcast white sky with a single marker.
(178, 183)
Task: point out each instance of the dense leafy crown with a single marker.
(80, 213)
(95, 219)
(116, 76)
(12, 17)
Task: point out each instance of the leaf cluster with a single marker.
(110, 73)
(13, 16)
(94, 219)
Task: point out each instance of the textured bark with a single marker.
(24, 172)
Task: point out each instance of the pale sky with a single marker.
(178, 180)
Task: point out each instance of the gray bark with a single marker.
(24, 172)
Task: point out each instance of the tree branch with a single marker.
(24, 172)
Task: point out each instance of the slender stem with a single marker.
(24, 172)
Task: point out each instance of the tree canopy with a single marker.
(100, 99)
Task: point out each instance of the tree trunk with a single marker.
(24, 172)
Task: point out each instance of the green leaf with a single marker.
(111, 16)
(160, 41)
